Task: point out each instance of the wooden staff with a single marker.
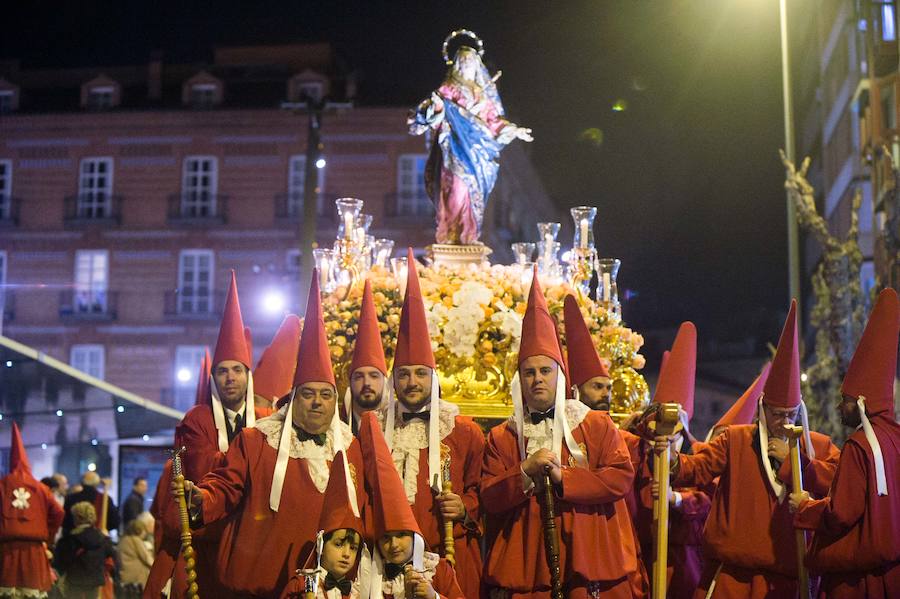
(551, 536)
(449, 543)
(666, 424)
(186, 549)
(793, 433)
(104, 507)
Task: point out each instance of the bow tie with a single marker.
(537, 417)
(343, 584)
(392, 571)
(302, 435)
(423, 416)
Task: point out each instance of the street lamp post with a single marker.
(308, 220)
(790, 152)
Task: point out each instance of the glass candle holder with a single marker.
(401, 271)
(523, 252)
(584, 226)
(548, 264)
(382, 251)
(607, 271)
(348, 215)
(324, 259)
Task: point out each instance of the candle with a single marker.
(584, 234)
(360, 235)
(323, 274)
(348, 225)
(607, 292)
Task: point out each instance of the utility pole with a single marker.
(314, 109)
(793, 234)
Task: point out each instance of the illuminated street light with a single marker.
(92, 467)
(59, 413)
(274, 302)
(120, 409)
(146, 437)
(184, 375)
(320, 163)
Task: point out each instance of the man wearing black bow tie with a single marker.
(429, 440)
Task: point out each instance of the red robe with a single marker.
(748, 531)
(684, 565)
(197, 433)
(466, 444)
(596, 538)
(856, 547)
(260, 549)
(25, 532)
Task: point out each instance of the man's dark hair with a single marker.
(50, 482)
(137, 480)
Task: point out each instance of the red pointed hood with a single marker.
(232, 342)
(538, 329)
(18, 458)
(336, 510)
(274, 375)
(314, 358)
(584, 362)
(744, 409)
(676, 378)
(782, 389)
(413, 340)
(874, 364)
(368, 350)
(390, 508)
(662, 362)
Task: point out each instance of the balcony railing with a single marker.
(9, 212)
(197, 209)
(91, 304)
(86, 210)
(200, 305)
(8, 304)
(289, 207)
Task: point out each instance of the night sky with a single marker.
(686, 180)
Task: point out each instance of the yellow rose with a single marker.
(337, 351)
(341, 341)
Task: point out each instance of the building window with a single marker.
(95, 188)
(296, 183)
(91, 281)
(203, 95)
(89, 359)
(888, 22)
(195, 282)
(187, 373)
(411, 196)
(100, 97)
(7, 101)
(198, 186)
(5, 189)
(309, 90)
(292, 262)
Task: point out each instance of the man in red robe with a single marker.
(29, 519)
(749, 536)
(588, 466)
(272, 483)
(368, 370)
(856, 546)
(224, 406)
(688, 506)
(592, 386)
(428, 438)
